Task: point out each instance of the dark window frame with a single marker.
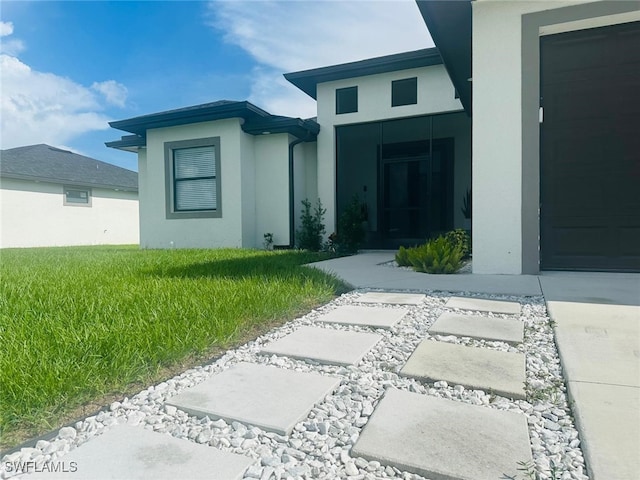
(70, 188)
(343, 105)
(400, 95)
(172, 212)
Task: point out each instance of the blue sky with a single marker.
(67, 68)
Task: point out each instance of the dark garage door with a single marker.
(590, 150)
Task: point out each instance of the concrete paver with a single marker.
(443, 439)
(589, 333)
(376, 317)
(484, 305)
(336, 347)
(502, 373)
(127, 452)
(608, 416)
(474, 326)
(271, 398)
(392, 298)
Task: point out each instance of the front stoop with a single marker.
(444, 439)
(271, 398)
(501, 373)
(134, 453)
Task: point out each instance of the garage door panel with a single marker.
(590, 146)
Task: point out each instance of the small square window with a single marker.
(77, 196)
(346, 100)
(404, 92)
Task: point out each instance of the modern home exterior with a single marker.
(533, 110)
(554, 91)
(53, 197)
(220, 174)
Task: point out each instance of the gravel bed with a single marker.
(319, 447)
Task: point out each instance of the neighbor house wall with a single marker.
(436, 94)
(33, 214)
(158, 231)
(506, 154)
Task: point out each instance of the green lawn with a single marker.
(78, 324)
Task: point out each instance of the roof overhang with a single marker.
(195, 114)
(449, 23)
(308, 80)
(128, 143)
(256, 122)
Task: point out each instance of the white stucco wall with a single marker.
(33, 214)
(436, 94)
(157, 231)
(498, 127)
(272, 188)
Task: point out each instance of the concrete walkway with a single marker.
(597, 328)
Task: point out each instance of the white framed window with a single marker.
(193, 184)
(76, 196)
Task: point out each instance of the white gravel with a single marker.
(319, 446)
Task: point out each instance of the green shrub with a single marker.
(460, 238)
(436, 256)
(402, 257)
(309, 235)
(351, 233)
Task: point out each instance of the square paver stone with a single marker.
(474, 326)
(127, 452)
(443, 439)
(376, 317)
(324, 345)
(392, 298)
(271, 398)
(491, 370)
(484, 305)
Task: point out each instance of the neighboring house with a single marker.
(53, 197)
(396, 131)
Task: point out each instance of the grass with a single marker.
(79, 324)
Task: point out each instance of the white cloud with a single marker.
(41, 107)
(115, 93)
(286, 36)
(6, 28)
(13, 46)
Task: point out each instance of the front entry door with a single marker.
(417, 193)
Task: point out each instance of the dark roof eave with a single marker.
(184, 116)
(308, 80)
(303, 129)
(449, 23)
(128, 143)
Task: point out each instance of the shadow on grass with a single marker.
(283, 265)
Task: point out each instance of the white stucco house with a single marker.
(531, 105)
(53, 197)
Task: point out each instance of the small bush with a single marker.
(351, 233)
(309, 235)
(436, 256)
(460, 238)
(402, 257)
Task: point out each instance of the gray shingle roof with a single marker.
(49, 164)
